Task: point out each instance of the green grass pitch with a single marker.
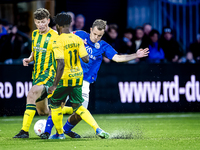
(156, 131)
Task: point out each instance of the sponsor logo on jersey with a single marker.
(76, 69)
(90, 51)
(39, 49)
(76, 74)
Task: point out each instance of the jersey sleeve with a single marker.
(82, 49)
(80, 33)
(109, 51)
(58, 49)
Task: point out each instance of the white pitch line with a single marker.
(17, 119)
(153, 116)
(125, 117)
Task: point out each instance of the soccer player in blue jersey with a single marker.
(96, 48)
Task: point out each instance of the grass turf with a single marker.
(173, 131)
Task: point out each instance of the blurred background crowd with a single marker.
(15, 38)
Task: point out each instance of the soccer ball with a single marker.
(39, 126)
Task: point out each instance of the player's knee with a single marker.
(76, 105)
(77, 117)
(43, 113)
(36, 89)
(30, 98)
(32, 94)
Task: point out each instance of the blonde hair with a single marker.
(100, 24)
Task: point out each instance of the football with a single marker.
(39, 126)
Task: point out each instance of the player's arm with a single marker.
(58, 50)
(124, 58)
(83, 53)
(59, 72)
(85, 59)
(26, 61)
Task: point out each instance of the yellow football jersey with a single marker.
(44, 61)
(71, 48)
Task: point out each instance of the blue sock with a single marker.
(68, 127)
(49, 125)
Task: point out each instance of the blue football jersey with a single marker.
(95, 52)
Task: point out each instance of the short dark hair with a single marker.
(80, 16)
(63, 19)
(139, 28)
(41, 13)
(52, 23)
(153, 32)
(113, 26)
(100, 24)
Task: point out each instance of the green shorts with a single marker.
(61, 93)
(45, 80)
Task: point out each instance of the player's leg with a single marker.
(76, 100)
(87, 117)
(49, 125)
(74, 119)
(71, 121)
(57, 99)
(34, 93)
(67, 109)
(85, 95)
(42, 107)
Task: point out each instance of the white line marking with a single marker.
(150, 116)
(17, 119)
(123, 117)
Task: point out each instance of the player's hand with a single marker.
(26, 61)
(142, 53)
(51, 89)
(175, 59)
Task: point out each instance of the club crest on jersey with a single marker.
(97, 45)
(47, 39)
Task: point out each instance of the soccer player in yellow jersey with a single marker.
(67, 49)
(44, 69)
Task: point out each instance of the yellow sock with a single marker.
(28, 116)
(57, 117)
(87, 117)
(67, 110)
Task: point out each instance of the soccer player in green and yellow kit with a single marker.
(44, 69)
(67, 49)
